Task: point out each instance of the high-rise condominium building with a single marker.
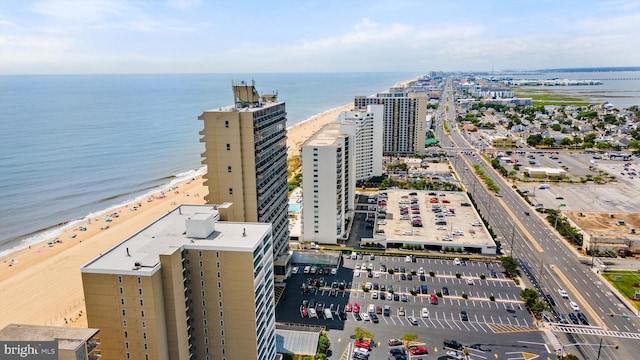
(246, 158)
(328, 183)
(187, 286)
(405, 113)
(368, 140)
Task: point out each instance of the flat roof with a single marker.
(234, 108)
(167, 234)
(397, 230)
(326, 136)
(68, 338)
(297, 342)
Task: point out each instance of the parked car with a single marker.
(424, 312)
(464, 316)
(412, 320)
(574, 306)
(419, 350)
(453, 344)
(395, 342)
(445, 290)
(434, 299)
(454, 355)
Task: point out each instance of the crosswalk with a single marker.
(552, 339)
(593, 330)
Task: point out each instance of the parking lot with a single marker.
(506, 315)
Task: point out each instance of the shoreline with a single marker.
(46, 274)
(56, 230)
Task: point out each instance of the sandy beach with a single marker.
(42, 285)
(298, 133)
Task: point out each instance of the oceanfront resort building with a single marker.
(246, 158)
(328, 183)
(187, 286)
(368, 139)
(405, 114)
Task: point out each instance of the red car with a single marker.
(434, 299)
(303, 311)
(356, 307)
(419, 350)
(363, 344)
(347, 307)
(445, 201)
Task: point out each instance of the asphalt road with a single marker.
(556, 266)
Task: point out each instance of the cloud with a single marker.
(83, 11)
(184, 4)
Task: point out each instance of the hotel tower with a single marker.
(186, 287)
(246, 158)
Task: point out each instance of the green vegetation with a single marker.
(323, 347)
(360, 333)
(446, 127)
(543, 97)
(510, 266)
(408, 337)
(628, 284)
(530, 297)
(555, 218)
(487, 180)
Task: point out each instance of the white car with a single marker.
(295, 270)
(563, 293)
(365, 317)
(454, 355)
(447, 238)
(470, 282)
(407, 258)
(357, 266)
(456, 261)
(424, 312)
(421, 271)
(374, 295)
(334, 271)
(441, 227)
(458, 233)
(376, 275)
(477, 223)
(574, 306)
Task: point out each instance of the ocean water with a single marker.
(74, 146)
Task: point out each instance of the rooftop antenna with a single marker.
(129, 255)
(244, 232)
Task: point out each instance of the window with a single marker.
(124, 313)
(139, 280)
(230, 191)
(140, 291)
(204, 303)
(144, 335)
(141, 302)
(220, 303)
(124, 323)
(206, 331)
(121, 290)
(203, 292)
(217, 254)
(201, 273)
(218, 274)
(220, 313)
(228, 168)
(226, 123)
(122, 301)
(145, 346)
(204, 312)
(126, 345)
(219, 284)
(128, 356)
(219, 293)
(146, 356)
(222, 341)
(200, 263)
(144, 324)
(206, 340)
(141, 313)
(119, 279)
(221, 322)
(200, 253)
(218, 264)
(228, 146)
(126, 334)
(202, 283)
(222, 332)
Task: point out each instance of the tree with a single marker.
(566, 141)
(548, 141)
(529, 296)
(360, 333)
(510, 265)
(534, 140)
(569, 357)
(408, 337)
(591, 137)
(556, 127)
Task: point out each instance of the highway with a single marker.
(529, 238)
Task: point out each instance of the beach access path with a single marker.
(44, 285)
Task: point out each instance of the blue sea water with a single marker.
(76, 145)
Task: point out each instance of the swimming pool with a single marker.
(295, 208)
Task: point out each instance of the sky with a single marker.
(226, 36)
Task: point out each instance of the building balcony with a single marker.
(92, 345)
(94, 356)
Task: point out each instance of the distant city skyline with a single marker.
(195, 36)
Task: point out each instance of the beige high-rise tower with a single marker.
(246, 158)
(185, 287)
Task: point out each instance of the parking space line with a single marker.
(470, 323)
(432, 323)
(455, 322)
(509, 319)
(480, 304)
(424, 322)
(501, 323)
(517, 322)
(465, 325)
(400, 320)
(525, 322)
(492, 321)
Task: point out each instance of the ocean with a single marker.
(75, 146)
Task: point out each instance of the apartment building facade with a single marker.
(404, 119)
(246, 158)
(368, 140)
(328, 183)
(187, 286)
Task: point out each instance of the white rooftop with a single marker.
(140, 253)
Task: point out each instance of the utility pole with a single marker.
(599, 349)
(513, 237)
